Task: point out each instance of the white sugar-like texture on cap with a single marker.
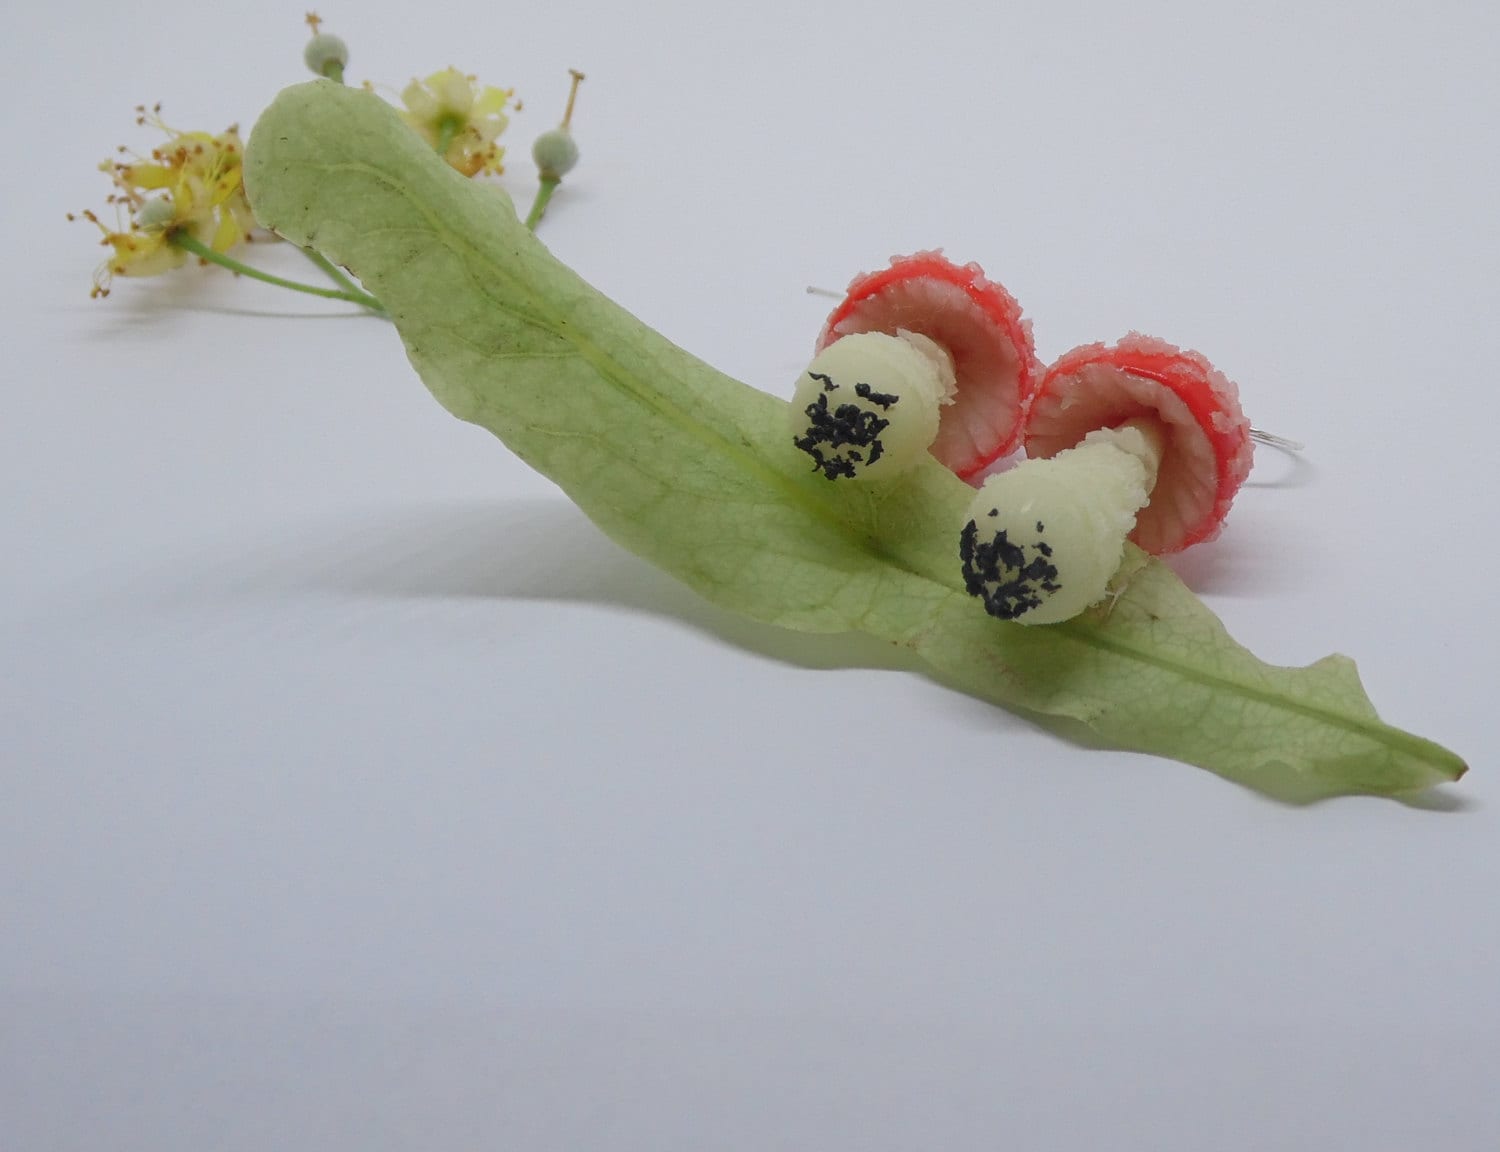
(984, 361)
(1079, 382)
(1103, 396)
(981, 327)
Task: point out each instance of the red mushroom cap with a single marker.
(1206, 451)
(979, 324)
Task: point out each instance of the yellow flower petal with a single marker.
(419, 101)
(142, 254)
(228, 233)
(491, 100)
(145, 176)
(453, 91)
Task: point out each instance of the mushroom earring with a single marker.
(1139, 440)
(923, 355)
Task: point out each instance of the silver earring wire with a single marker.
(1280, 443)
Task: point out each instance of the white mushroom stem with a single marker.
(868, 404)
(1043, 539)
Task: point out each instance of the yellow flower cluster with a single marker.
(460, 119)
(192, 185)
(187, 196)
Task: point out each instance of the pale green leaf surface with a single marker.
(696, 472)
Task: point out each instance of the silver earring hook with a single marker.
(1280, 443)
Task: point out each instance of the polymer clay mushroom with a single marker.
(1138, 440)
(925, 355)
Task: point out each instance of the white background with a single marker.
(355, 793)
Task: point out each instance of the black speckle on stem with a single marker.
(835, 436)
(1001, 573)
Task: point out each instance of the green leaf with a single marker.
(696, 472)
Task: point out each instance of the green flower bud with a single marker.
(326, 55)
(555, 153)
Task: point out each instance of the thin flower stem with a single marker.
(192, 244)
(539, 205)
(335, 273)
(334, 71)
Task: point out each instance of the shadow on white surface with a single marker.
(544, 549)
(266, 313)
(1246, 563)
(138, 309)
(538, 549)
